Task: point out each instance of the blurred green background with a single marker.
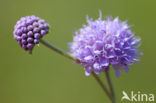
(46, 77)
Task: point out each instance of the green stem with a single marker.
(102, 86)
(110, 86)
(52, 47)
(61, 52)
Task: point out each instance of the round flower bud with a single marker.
(105, 43)
(28, 30)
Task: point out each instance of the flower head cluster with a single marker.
(105, 43)
(29, 30)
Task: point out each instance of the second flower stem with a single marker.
(102, 86)
(110, 86)
(61, 52)
(57, 50)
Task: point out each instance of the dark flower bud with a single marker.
(28, 30)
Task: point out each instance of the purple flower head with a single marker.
(28, 30)
(105, 43)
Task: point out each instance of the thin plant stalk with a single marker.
(102, 86)
(61, 52)
(110, 86)
(57, 50)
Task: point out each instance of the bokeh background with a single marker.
(46, 77)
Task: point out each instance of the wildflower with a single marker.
(105, 43)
